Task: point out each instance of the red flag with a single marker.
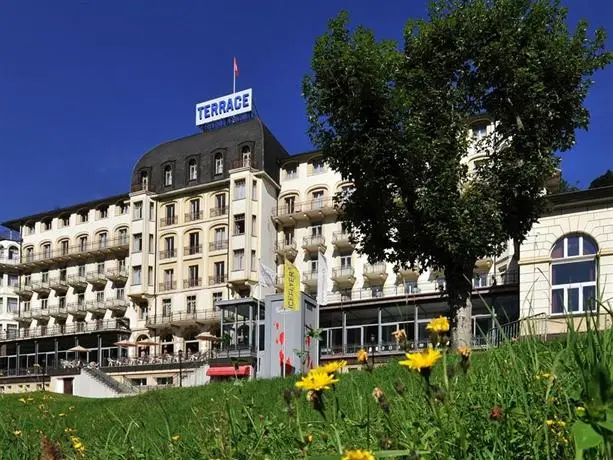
(235, 67)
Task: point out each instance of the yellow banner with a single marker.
(291, 287)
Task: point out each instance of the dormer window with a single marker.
(83, 216)
(46, 224)
(144, 180)
(218, 163)
(479, 130)
(317, 166)
(193, 170)
(167, 175)
(246, 155)
(291, 171)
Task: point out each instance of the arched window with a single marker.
(144, 180)
(246, 155)
(167, 175)
(193, 170)
(573, 274)
(218, 163)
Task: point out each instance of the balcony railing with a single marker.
(168, 254)
(219, 245)
(313, 206)
(9, 261)
(218, 279)
(343, 272)
(167, 286)
(244, 163)
(192, 250)
(81, 249)
(219, 211)
(175, 317)
(192, 283)
(284, 246)
(193, 216)
(168, 220)
(64, 329)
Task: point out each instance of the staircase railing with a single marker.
(102, 377)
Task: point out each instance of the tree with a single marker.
(566, 186)
(603, 181)
(395, 122)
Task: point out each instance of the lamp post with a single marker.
(374, 348)
(180, 368)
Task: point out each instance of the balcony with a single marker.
(58, 311)
(96, 279)
(77, 282)
(168, 254)
(185, 318)
(117, 275)
(314, 243)
(375, 273)
(59, 285)
(219, 211)
(40, 314)
(66, 329)
(77, 310)
(117, 306)
(192, 283)
(409, 273)
(41, 288)
(192, 250)
(96, 307)
(166, 286)
(24, 291)
(168, 220)
(250, 163)
(194, 216)
(484, 264)
(25, 316)
(310, 278)
(218, 279)
(286, 249)
(287, 213)
(342, 241)
(220, 245)
(343, 276)
(319, 208)
(8, 264)
(82, 251)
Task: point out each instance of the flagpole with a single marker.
(234, 75)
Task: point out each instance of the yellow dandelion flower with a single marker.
(316, 380)
(400, 335)
(17, 433)
(22, 400)
(464, 351)
(61, 414)
(334, 366)
(421, 360)
(176, 437)
(362, 356)
(544, 376)
(358, 454)
(550, 422)
(308, 439)
(438, 325)
(78, 446)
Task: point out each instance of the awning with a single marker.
(228, 371)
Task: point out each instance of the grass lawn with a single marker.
(517, 402)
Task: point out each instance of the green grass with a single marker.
(497, 410)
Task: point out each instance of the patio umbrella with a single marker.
(208, 337)
(146, 343)
(124, 344)
(78, 349)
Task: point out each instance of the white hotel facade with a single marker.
(152, 265)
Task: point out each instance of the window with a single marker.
(100, 268)
(137, 214)
(191, 304)
(163, 380)
(239, 224)
(136, 274)
(150, 276)
(44, 304)
(316, 230)
(65, 221)
(12, 305)
(13, 280)
(220, 241)
(166, 307)
(217, 297)
(479, 131)
(573, 274)
(121, 265)
(192, 276)
(29, 229)
(318, 199)
(254, 227)
(137, 242)
(100, 296)
(253, 261)
(123, 208)
(122, 235)
(193, 170)
(83, 216)
(29, 254)
(289, 205)
(169, 247)
(102, 240)
(246, 155)
(47, 250)
(291, 171)
(238, 262)
(80, 299)
(194, 243)
(151, 244)
(167, 176)
(347, 190)
(64, 247)
(151, 212)
(63, 274)
(218, 163)
(103, 212)
(169, 275)
(219, 270)
(120, 293)
(313, 265)
(220, 201)
(26, 305)
(82, 243)
(13, 253)
(144, 180)
(62, 302)
(81, 270)
(318, 166)
(194, 210)
(46, 224)
(345, 261)
(254, 190)
(170, 215)
(239, 189)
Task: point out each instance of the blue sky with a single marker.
(87, 87)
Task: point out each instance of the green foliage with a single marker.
(395, 122)
(565, 186)
(604, 180)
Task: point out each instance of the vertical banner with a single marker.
(322, 278)
(291, 287)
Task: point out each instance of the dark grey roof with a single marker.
(266, 151)
(594, 198)
(15, 224)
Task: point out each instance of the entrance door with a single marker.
(68, 386)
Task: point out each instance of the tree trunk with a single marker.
(459, 288)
